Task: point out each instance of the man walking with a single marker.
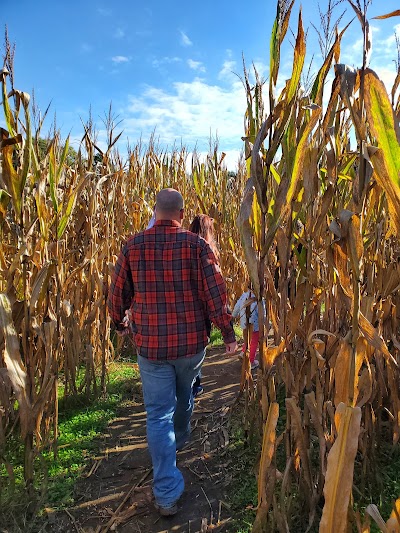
(171, 282)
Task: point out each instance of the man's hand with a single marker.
(126, 323)
(123, 332)
(231, 348)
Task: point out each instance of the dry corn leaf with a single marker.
(339, 474)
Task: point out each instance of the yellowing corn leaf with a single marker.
(393, 524)
(298, 61)
(343, 387)
(271, 353)
(268, 448)
(389, 15)
(339, 474)
(317, 89)
(384, 128)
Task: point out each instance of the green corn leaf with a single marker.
(11, 179)
(317, 89)
(274, 51)
(28, 141)
(52, 176)
(70, 206)
(6, 106)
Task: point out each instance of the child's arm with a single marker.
(236, 309)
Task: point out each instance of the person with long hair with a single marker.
(203, 225)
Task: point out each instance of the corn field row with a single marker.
(315, 205)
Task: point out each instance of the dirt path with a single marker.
(116, 494)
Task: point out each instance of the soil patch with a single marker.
(116, 493)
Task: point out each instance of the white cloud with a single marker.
(119, 33)
(191, 112)
(120, 59)
(185, 41)
(196, 65)
(228, 69)
(387, 75)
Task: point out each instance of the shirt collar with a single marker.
(173, 223)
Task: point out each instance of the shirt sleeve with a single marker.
(215, 295)
(238, 306)
(121, 290)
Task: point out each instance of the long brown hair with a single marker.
(203, 225)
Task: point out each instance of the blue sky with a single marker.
(167, 66)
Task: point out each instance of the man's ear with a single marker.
(181, 213)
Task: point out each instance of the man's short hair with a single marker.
(169, 201)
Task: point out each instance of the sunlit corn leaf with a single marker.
(339, 474)
(267, 451)
(266, 480)
(385, 130)
(298, 61)
(6, 105)
(389, 15)
(26, 163)
(11, 179)
(318, 85)
(345, 384)
(271, 353)
(282, 208)
(279, 30)
(395, 516)
(70, 204)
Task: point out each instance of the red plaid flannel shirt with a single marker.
(171, 281)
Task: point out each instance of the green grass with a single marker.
(242, 490)
(81, 422)
(80, 425)
(216, 337)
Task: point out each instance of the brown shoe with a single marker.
(167, 511)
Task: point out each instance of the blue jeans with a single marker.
(168, 399)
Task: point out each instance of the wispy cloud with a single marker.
(185, 41)
(120, 59)
(165, 61)
(104, 12)
(196, 65)
(227, 70)
(119, 33)
(86, 48)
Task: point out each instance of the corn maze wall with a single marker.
(312, 217)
